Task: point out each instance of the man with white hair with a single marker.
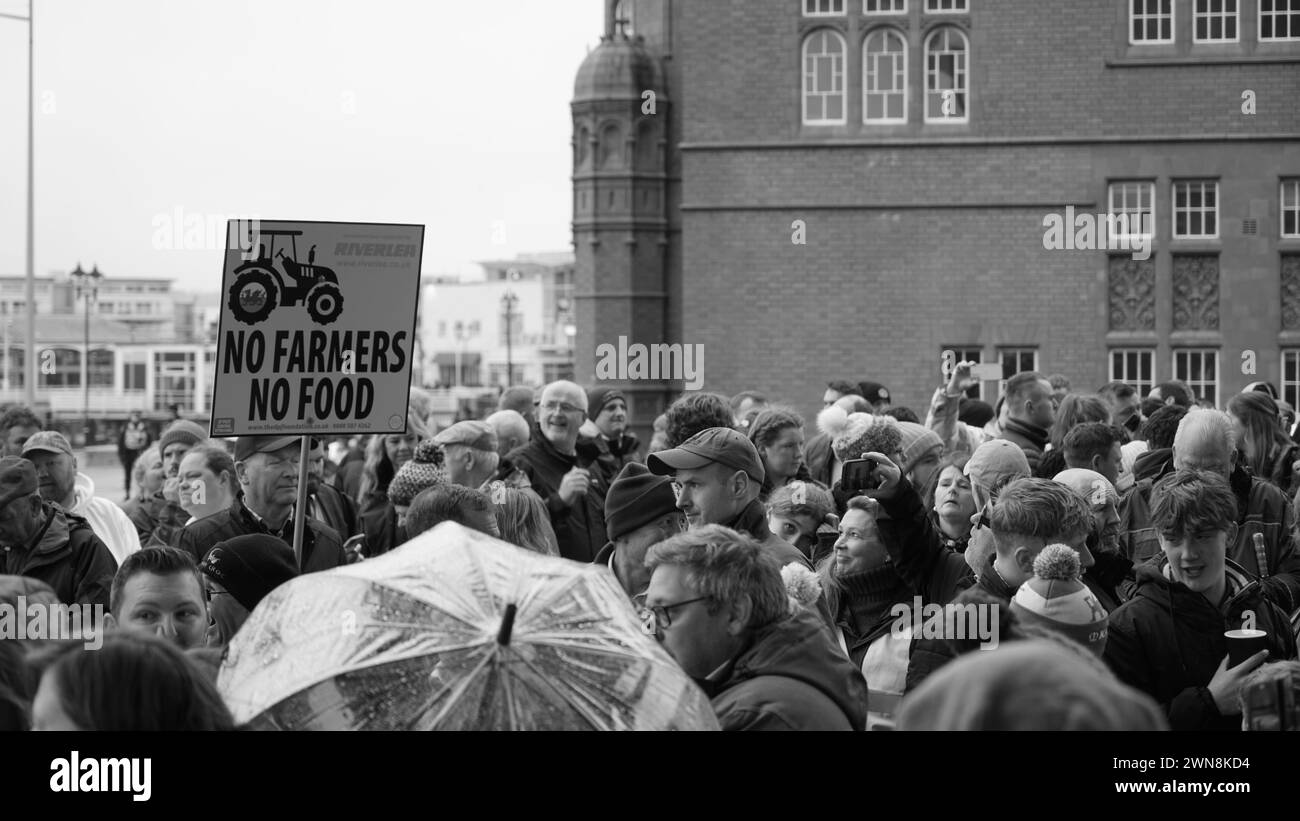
(470, 454)
(1205, 440)
(511, 429)
(1112, 571)
(569, 483)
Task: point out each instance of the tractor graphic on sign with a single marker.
(259, 287)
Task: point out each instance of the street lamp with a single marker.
(463, 333)
(87, 288)
(508, 301)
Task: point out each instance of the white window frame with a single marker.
(1293, 34)
(814, 4)
(930, 7)
(869, 79)
(1213, 355)
(1292, 207)
(896, 7)
(805, 75)
(1145, 16)
(1127, 189)
(1189, 209)
(1290, 388)
(1143, 386)
(963, 73)
(1209, 16)
(962, 353)
(1017, 351)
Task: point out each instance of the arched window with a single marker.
(947, 80)
(884, 77)
(581, 146)
(610, 149)
(823, 78)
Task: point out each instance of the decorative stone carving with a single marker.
(1291, 292)
(1196, 292)
(1132, 294)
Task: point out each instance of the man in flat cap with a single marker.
(43, 542)
(267, 469)
(470, 454)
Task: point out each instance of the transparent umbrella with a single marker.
(456, 630)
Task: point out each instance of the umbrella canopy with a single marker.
(455, 630)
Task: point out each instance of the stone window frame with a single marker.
(1111, 211)
(896, 7)
(1292, 7)
(1201, 12)
(1143, 386)
(1188, 210)
(1141, 10)
(958, 7)
(830, 4)
(1182, 375)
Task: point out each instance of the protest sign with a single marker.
(317, 343)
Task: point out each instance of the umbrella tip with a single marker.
(507, 625)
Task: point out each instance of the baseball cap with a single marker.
(17, 479)
(472, 432)
(246, 446)
(995, 461)
(725, 446)
(47, 440)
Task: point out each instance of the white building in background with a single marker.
(463, 329)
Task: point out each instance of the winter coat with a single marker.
(133, 440)
(916, 549)
(790, 676)
(68, 556)
(928, 655)
(610, 455)
(752, 520)
(337, 511)
(110, 522)
(379, 522)
(580, 527)
(321, 547)
(1261, 508)
(819, 458)
(1168, 641)
(158, 521)
(1028, 437)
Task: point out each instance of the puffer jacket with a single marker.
(1168, 641)
(790, 676)
(68, 556)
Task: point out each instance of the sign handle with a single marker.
(300, 509)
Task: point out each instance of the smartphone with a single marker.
(986, 371)
(858, 475)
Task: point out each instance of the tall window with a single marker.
(625, 11)
(1134, 366)
(1291, 375)
(1136, 201)
(1151, 21)
(884, 6)
(1199, 368)
(1196, 208)
(823, 78)
(59, 368)
(14, 368)
(173, 379)
(100, 368)
(1017, 360)
(946, 80)
(884, 77)
(1215, 21)
(133, 376)
(1279, 19)
(1290, 196)
(822, 8)
(940, 6)
(966, 353)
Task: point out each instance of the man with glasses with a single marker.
(267, 470)
(717, 603)
(238, 573)
(568, 481)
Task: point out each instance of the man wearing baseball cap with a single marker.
(469, 454)
(61, 483)
(640, 511)
(717, 475)
(267, 470)
(43, 542)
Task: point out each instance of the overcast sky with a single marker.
(448, 113)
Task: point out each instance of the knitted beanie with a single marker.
(917, 440)
(853, 434)
(599, 397)
(1056, 599)
(250, 566)
(636, 498)
(423, 471)
(183, 431)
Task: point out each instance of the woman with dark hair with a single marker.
(950, 502)
(385, 454)
(134, 682)
(1264, 446)
(777, 434)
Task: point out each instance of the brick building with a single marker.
(917, 147)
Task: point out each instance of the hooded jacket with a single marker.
(114, 528)
(321, 547)
(1028, 437)
(68, 556)
(789, 676)
(1167, 641)
(580, 527)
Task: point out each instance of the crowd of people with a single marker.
(1104, 549)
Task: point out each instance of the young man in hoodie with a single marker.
(1168, 640)
(718, 604)
(63, 484)
(42, 541)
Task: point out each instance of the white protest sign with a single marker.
(317, 328)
